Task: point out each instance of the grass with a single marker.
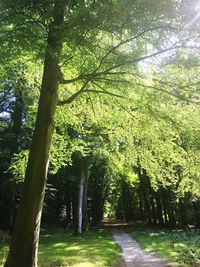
(59, 248)
(3, 253)
(181, 246)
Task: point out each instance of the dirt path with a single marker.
(132, 253)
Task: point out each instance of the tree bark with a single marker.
(85, 199)
(159, 208)
(144, 187)
(80, 203)
(68, 204)
(17, 118)
(140, 205)
(170, 209)
(24, 246)
(153, 209)
(196, 208)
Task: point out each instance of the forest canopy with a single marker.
(99, 112)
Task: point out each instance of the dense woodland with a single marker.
(99, 115)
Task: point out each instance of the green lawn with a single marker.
(59, 248)
(182, 246)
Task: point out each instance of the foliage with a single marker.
(18, 165)
(128, 104)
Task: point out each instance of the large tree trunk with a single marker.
(24, 246)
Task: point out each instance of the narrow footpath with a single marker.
(132, 253)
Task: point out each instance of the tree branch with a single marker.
(142, 58)
(108, 71)
(102, 79)
(127, 41)
(103, 92)
(95, 72)
(181, 97)
(74, 96)
(96, 76)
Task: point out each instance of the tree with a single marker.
(99, 66)
(13, 98)
(23, 251)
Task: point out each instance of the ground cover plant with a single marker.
(181, 246)
(59, 248)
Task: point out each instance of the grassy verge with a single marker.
(58, 248)
(182, 246)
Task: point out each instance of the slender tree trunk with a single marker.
(80, 203)
(97, 208)
(147, 207)
(68, 209)
(75, 210)
(185, 210)
(153, 209)
(170, 209)
(127, 202)
(17, 120)
(144, 187)
(140, 205)
(24, 246)
(165, 213)
(85, 199)
(196, 207)
(159, 208)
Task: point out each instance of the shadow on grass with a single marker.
(60, 248)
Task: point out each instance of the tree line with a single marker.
(104, 103)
